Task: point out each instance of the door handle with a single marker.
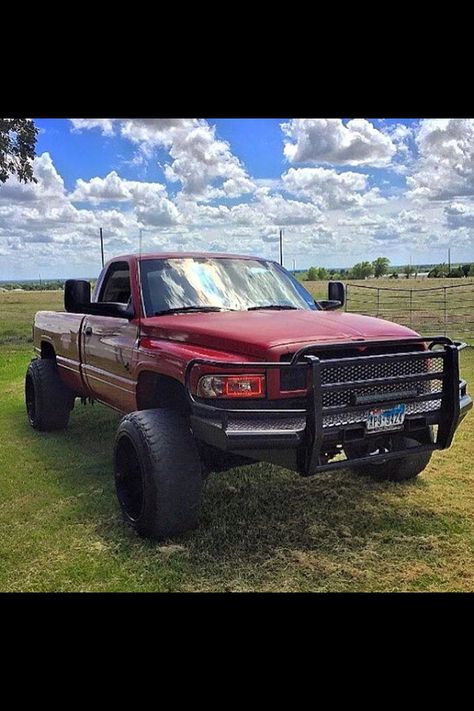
(88, 331)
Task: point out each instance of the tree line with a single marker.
(380, 267)
(46, 285)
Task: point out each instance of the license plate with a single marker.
(386, 419)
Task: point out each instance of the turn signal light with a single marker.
(231, 386)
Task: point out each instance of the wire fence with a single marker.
(447, 310)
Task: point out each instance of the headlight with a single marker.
(231, 386)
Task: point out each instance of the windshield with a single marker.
(205, 283)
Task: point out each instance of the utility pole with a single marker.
(294, 266)
(102, 247)
(281, 247)
(449, 259)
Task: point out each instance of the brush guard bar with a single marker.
(299, 433)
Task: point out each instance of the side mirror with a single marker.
(337, 292)
(77, 300)
(77, 295)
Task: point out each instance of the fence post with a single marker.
(347, 297)
(378, 302)
(445, 311)
(411, 308)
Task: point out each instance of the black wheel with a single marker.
(157, 473)
(48, 401)
(407, 467)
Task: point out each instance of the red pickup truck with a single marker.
(217, 360)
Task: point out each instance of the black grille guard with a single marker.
(226, 428)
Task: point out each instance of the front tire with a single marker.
(407, 467)
(48, 401)
(157, 473)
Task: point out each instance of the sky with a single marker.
(342, 190)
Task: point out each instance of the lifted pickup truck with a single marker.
(218, 360)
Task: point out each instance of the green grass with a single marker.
(262, 528)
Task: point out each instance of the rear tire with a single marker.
(48, 401)
(157, 473)
(407, 467)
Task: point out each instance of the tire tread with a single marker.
(173, 478)
(53, 400)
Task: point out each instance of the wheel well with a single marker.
(155, 390)
(47, 350)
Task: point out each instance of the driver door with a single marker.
(109, 345)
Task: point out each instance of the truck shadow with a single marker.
(249, 514)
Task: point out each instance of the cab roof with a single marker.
(181, 255)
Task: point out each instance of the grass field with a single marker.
(262, 528)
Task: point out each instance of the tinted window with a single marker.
(116, 286)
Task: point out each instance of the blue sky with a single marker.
(257, 142)
(343, 190)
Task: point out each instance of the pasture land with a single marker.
(429, 306)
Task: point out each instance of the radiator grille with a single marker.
(367, 370)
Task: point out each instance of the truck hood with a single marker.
(256, 333)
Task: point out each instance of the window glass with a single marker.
(226, 283)
(116, 286)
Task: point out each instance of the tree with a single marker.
(408, 269)
(362, 270)
(438, 272)
(17, 149)
(380, 266)
(471, 271)
(323, 273)
(312, 274)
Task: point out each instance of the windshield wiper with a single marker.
(281, 307)
(184, 309)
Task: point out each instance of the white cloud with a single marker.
(201, 162)
(265, 209)
(400, 134)
(158, 213)
(277, 210)
(329, 189)
(112, 187)
(50, 185)
(199, 159)
(445, 167)
(106, 126)
(356, 142)
(115, 188)
(155, 131)
(38, 239)
(152, 205)
(459, 215)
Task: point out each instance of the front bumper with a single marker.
(302, 438)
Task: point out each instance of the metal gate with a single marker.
(447, 310)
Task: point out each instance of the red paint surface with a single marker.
(257, 333)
